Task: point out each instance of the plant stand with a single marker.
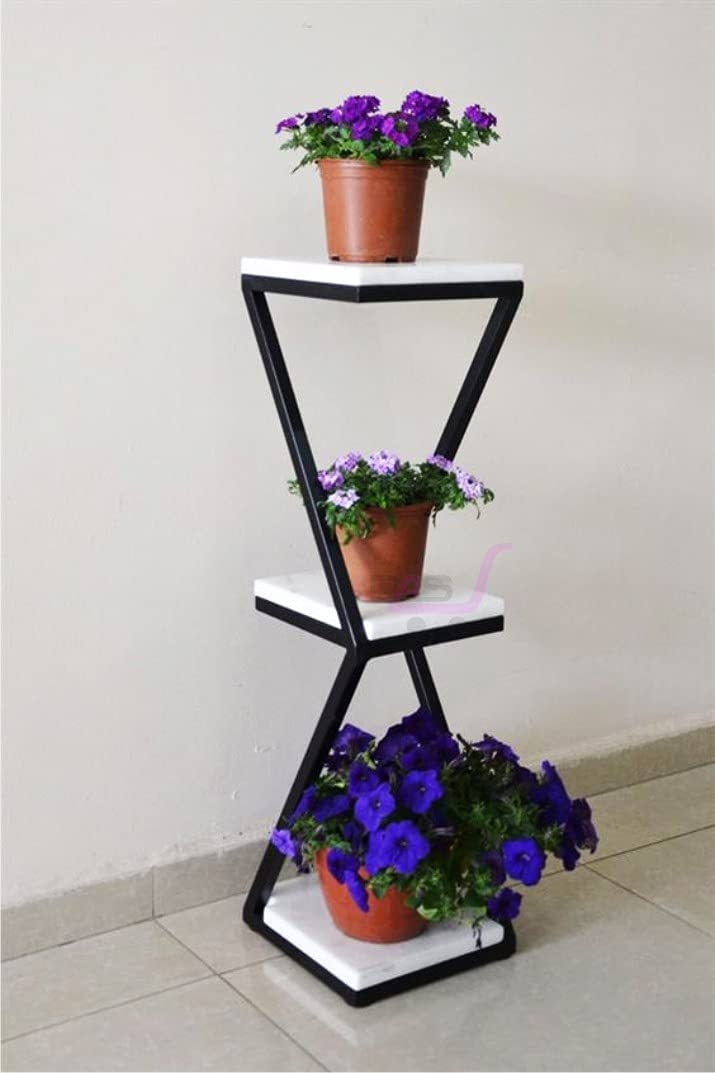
(293, 917)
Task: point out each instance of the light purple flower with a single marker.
(347, 463)
(400, 128)
(424, 106)
(481, 119)
(470, 487)
(330, 479)
(290, 123)
(441, 462)
(384, 463)
(363, 129)
(354, 108)
(345, 499)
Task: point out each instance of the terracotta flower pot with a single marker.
(373, 211)
(388, 919)
(386, 566)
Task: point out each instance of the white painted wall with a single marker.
(149, 712)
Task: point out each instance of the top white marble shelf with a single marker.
(381, 275)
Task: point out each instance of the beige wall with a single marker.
(149, 713)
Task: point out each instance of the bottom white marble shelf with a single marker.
(297, 912)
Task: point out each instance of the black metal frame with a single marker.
(350, 634)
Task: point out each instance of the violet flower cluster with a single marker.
(447, 821)
(422, 128)
(354, 486)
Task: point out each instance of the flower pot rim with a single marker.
(409, 508)
(363, 165)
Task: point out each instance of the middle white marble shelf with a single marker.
(443, 601)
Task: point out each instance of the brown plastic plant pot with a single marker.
(373, 212)
(388, 919)
(386, 566)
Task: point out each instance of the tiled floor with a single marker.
(614, 972)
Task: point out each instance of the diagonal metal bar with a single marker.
(303, 461)
(478, 374)
(424, 684)
(334, 710)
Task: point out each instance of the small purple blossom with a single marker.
(283, 841)
(351, 740)
(505, 905)
(327, 807)
(354, 108)
(580, 827)
(395, 742)
(424, 106)
(493, 860)
(304, 805)
(330, 479)
(318, 118)
(345, 499)
(289, 123)
(339, 863)
(481, 119)
(568, 853)
(441, 463)
(523, 860)
(384, 463)
(419, 790)
(400, 846)
(550, 794)
(372, 808)
(422, 725)
(495, 749)
(362, 779)
(357, 890)
(400, 128)
(348, 462)
(470, 487)
(365, 128)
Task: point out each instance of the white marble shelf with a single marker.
(296, 911)
(366, 275)
(443, 601)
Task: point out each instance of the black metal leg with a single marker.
(342, 692)
(424, 683)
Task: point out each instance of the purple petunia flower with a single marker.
(304, 805)
(495, 749)
(395, 742)
(318, 118)
(331, 806)
(551, 796)
(419, 790)
(424, 106)
(357, 890)
(470, 487)
(349, 462)
(371, 808)
(400, 846)
(422, 725)
(568, 853)
(579, 825)
(400, 128)
(330, 479)
(441, 462)
(523, 860)
(354, 108)
(384, 463)
(493, 860)
(362, 779)
(365, 128)
(421, 757)
(481, 119)
(283, 841)
(351, 740)
(290, 123)
(339, 863)
(353, 833)
(345, 499)
(505, 905)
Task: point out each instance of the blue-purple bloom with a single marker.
(400, 128)
(400, 846)
(354, 108)
(422, 725)
(289, 123)
(395, 742)
(365, 128)
(357, 890)
(424, 106)
(568, 853)
(304, 805)
(551, 796)
(505, 905)
(419, 790)
(372, 808)
(384, 463)
(327, 807)
(470, 487)
(318, 118)
(441, 462)
(345, 499)
(283, 841)
(493, 860)
(339, 862)
(495, 749)
(351, 740)
(348, 462)
(362, 779)
(330, 479)
(523, 860)
(579, 825)
(481, 119)
(353, 833)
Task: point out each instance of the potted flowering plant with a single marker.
(425, 826)
(373, 167)
(379, 508)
